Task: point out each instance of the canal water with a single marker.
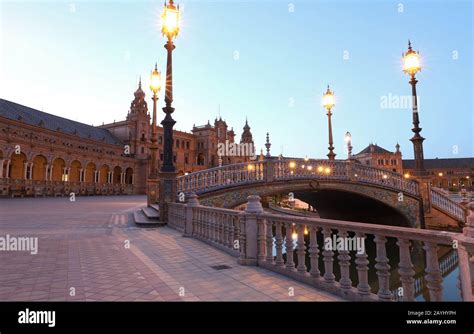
(447, 257)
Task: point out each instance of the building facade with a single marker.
(47, 155)
(451, 174)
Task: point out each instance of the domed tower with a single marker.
(246, 135)
(139, 124)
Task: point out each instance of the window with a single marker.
(161, 156)
(187, 145)
(143, 150)
(186, 159)
(177, 143)
(174, 158)
(160, 140)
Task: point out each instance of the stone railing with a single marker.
(38, 188)
(265, 239)
(442, 202)
(215, 226)
(221, 177)
(291, 169)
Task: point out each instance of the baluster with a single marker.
(405, 270)
(362, 266)
(313, 252)
(226, 231)
(383, 268)
(242, 238)
(290, 264)
(269, 241)
(279, 261)
(236, 227)
(434, 280)
(261, 240)
(301, 250)
(328, 257)
(344, 263)
(222, 238)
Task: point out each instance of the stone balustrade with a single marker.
(442, 202)
(292, 169)
(265, 239)
(18, 188)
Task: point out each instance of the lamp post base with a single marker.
(152, 191)
(167, 192)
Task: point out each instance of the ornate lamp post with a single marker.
(170, 29)
(348, 140)
(328, 103)
(155, 86)
(152, 182)
(411, 65)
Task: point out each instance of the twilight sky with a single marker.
(269, 61)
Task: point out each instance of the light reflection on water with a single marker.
(447, 258)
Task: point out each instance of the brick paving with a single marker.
(83, 256)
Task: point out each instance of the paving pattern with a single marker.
(89, 250)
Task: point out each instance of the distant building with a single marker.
(376, 156)
(43, 154)
(452, 173)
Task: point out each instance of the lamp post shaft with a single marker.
(417, 139)
(168, 122)
(331, 155)
(153, 147)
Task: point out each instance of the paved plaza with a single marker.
(89, 250)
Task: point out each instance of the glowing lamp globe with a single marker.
(328, 99)
(170, 20)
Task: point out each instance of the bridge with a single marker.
(294, 246)
(326, 182)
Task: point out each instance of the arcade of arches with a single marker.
(38, 175)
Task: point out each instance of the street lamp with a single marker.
(348, 140)
(411, 65)
(170, 29)
(328, 102)
(155, 86)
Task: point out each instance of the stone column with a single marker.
(81, 175)
(46, 170)
(51, 172)
(254, 207)
(111, 177)
(25, 170)
(192, 202)
(1, 168)
(98, 176)
(8, 169)
(31, 171)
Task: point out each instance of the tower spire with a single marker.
(268, 145)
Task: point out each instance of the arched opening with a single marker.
(104, 174)
(90, 172)
(343, 205)
(117, 174)
(75, 174)
(200, 159)
(129, 175)
(58, 170)
(39, 168)
(17, 166)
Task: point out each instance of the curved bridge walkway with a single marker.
(268, 171)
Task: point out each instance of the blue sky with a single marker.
(269, 61)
